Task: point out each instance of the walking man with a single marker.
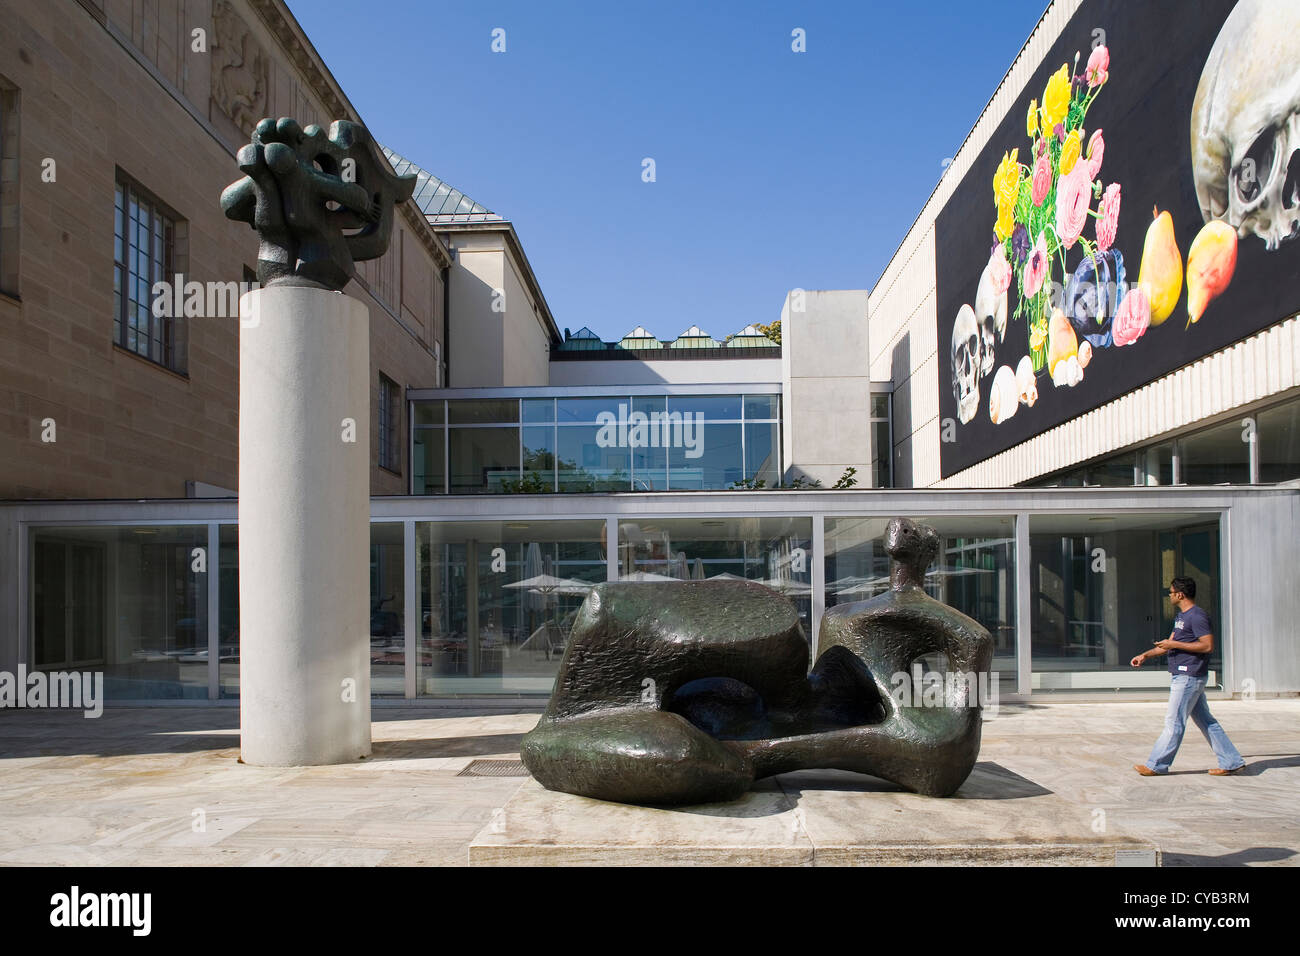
(1189, 648)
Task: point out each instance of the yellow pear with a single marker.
(1062, 345)
(1210, 263)
(1161, 275)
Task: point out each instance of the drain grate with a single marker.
(494, 768)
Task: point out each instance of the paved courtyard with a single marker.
(163, 786)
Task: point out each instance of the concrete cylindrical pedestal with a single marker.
(304, 527)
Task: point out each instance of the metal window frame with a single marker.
(556, 393)
(160, 328)
(390, 409)
(1214, 503)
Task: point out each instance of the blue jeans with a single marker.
(1187, 697)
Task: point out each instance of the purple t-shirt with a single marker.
(1190, 625)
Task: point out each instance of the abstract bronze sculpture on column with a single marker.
(678, 693)
(320, 203)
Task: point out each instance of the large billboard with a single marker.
(1138, 208)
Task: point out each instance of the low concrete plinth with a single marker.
(813, 818)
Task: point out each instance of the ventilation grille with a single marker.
(494, 768)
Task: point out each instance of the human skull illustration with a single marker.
(991, 310)
(1246, 123)
(967, 363)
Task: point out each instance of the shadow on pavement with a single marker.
(1256, 854)
(422, 747)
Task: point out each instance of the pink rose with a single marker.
(999, 270)
(1073, 196)
(1036, 267)
(1131, 318)
(1108, 222)
(1096, 149)
(1042, 183)
(1098, 65)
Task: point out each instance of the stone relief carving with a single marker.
(240, 69)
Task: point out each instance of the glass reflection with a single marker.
(1215, 456)
(539, 460)
(1100, 595)
(228, 602)
(596, 444)
(124, 601)
(774, 551)
(497, 601)
(1279, 442)
(975, 573)
(707, 456)
(387, 611)
(483, 459)
(428, 462)
(587, 462)
(712, 407)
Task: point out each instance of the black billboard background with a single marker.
(1157, 50)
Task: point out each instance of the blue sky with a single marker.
(774, 169)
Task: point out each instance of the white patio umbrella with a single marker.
(788, 587)
(681, 570)
(866, 586)
(548, 584)
(955, 572)
(574, 588)
(648, 576)
(848, 581)
(534, 601)
(697, 570)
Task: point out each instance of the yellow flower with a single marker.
(1037, 338)
(1005, 223)
(1006, 181)
(1056, 99)
(1031, 120)
(1070, 151)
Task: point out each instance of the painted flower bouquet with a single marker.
(1042, 209)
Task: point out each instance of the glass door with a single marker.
(69, 604)
(1193, 553)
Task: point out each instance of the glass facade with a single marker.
(387, 610)
(975, 573)
(773, 551)
(387, 604)
(882, 440)
(1100, 595)
(495, 598)
(1278, 442)
(1259, 446)
(128, 601)
(1214, 456)
(228, 611)
(586, 444)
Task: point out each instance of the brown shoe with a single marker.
(1220, 772)
(1147, 771)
